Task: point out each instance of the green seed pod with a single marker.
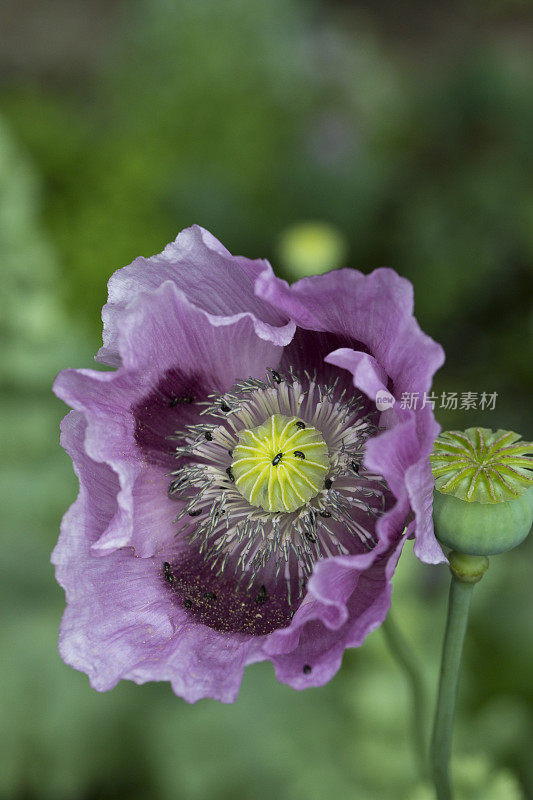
(483, 499)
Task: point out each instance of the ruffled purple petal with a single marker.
(161, 332)
(420, 483)
(119, 622)
(376, 311)
(368, 375)
(164, 328)
(401, 455)
(209, 277)
(362, 589)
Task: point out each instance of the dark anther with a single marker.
(210, 596)
(355, 466)
(325, 514)
(293, 612)
(230, 475)
(327, 483)
(276, 376)
(195, 512)
(307, 669)
(169, 577)
(175, 485)
(209, 436)
(277, 459)
(309, 536)
(299, 454)
(300, 424)
(262, 596)
(187, 602)
(224, 407)
(187, 399)
(230, 452)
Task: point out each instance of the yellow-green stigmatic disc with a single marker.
(281, 464)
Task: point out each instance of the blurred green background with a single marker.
(403, 132)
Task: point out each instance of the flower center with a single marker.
(280, 464)
(270, 480)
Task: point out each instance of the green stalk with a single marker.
(458, 608)
(402, 653)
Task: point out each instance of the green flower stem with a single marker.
(403, 654)
(466, 571)
(458, 608)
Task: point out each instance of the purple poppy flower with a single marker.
(241, 496)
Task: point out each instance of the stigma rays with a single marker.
(262, 544)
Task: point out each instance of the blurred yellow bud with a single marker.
(310, 248)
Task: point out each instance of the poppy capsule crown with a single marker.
(483, 500)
